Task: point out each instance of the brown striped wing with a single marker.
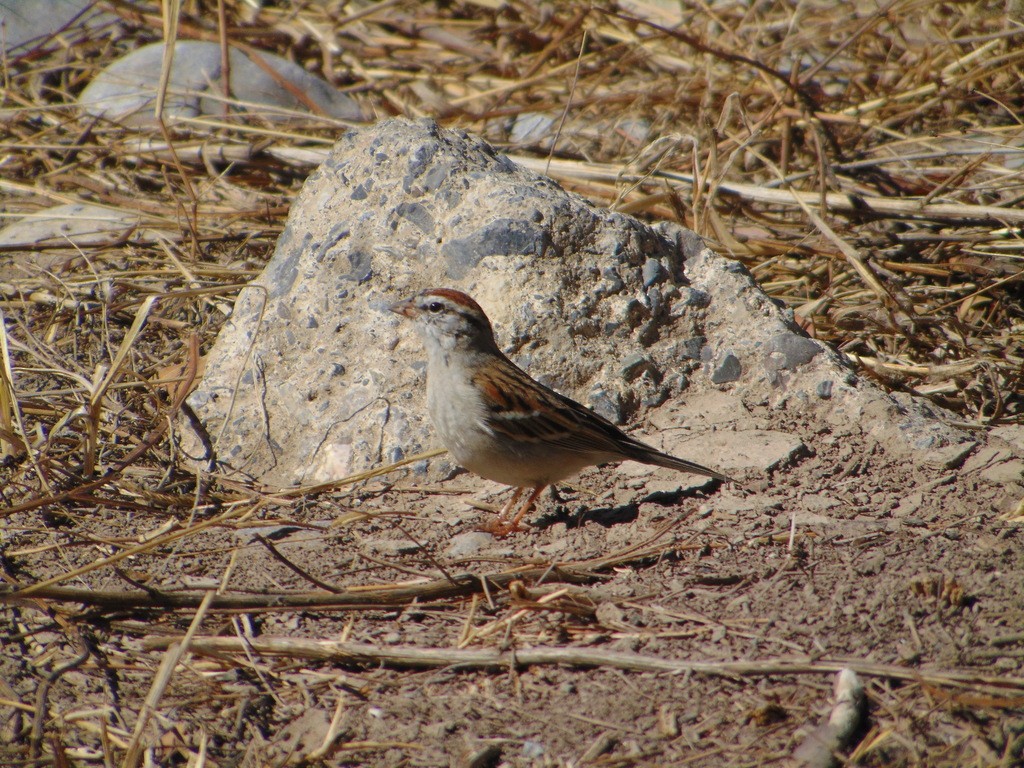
(523, 410)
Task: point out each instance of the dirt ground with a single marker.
(863, 161)
(842, 555)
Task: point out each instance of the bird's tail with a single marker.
(649, 455)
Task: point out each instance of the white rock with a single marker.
(126, 90)
(25, 24)
(53, 235)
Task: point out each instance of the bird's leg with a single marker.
(510, 503)
(503, 529)
(529, 505)
(497, 524)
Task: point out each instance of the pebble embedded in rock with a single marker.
(787, 351)
(652, 272)
(605, 405)
(634, 365)
(727, 369)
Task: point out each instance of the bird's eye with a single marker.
(435, 307)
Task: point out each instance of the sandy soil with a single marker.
(844, 554)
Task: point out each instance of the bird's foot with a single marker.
(500, 529)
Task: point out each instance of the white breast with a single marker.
(458, 413)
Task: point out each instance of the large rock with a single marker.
(126, 90)
(30, 24)
(313, 378)
(41, 241)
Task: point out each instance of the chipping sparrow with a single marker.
(498, 422)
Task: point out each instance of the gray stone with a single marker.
(614, 283)
(636, 364)
(692, 297)
(531, 127)
(501, 237)
(690, 349)
(726, 369)
(468, 544)
(401, 206)
(787, 351)
(653, 272)
(606, 405)
(54, 235)
(126, 89)
(28, 24)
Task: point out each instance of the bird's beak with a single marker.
(404, 308)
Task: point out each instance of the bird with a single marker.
(498, 422)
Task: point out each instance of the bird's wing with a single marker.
(524, 410)
(520, 408)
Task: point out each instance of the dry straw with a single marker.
(867, 167)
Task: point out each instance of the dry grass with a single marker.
(868, 167)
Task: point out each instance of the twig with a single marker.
(460, 585)
(568, 101)
(43, 692)
(415, 657)
(907, 207)
(457, 585)
(175, 651)
(295, 568)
